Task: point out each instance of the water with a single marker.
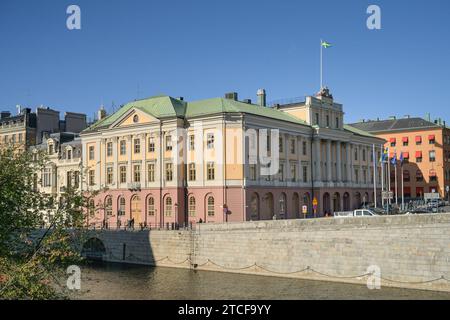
(116, 281)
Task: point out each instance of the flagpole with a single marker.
(403, 191)
(321, 65)
(382, 175)
(374, 176)
(396, 184)
(389, 176)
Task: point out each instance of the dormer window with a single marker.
(69, 154)
(51, 149)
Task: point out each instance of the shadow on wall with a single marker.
(119, 246)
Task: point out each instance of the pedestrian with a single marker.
(200, 221)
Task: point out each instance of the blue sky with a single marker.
(202, 49)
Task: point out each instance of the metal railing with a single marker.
(130, 226)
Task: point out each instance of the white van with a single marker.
(355, 213)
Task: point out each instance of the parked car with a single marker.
(355, 213)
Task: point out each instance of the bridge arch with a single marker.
(94, 249)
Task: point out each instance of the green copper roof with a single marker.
(158, 106)
(166, 107)
(219, 105)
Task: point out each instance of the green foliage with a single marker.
(33, 253)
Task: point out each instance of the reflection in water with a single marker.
(116, 281)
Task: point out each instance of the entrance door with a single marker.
(136, 210)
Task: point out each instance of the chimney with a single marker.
(101, 113)
(248, 101)
(261, 93)
(231, 96)
(5, 114)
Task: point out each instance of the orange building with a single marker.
(425, 146)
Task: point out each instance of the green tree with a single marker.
(35, 253)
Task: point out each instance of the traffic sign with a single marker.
(305, 209)
(315, 202)
(387, 195)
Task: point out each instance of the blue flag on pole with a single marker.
(401, 158)
(394, 159)
(384, 155)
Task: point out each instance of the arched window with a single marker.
(151, 206)
(91, 207)
(108, 206)
(121, 211)
(254, 206)
(191, 207)
(283, 204)
(419, 175)
(406, 176)
(210, 206)
(168, 207)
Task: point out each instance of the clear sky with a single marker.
(202, 49)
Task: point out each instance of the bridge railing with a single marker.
(142, 226)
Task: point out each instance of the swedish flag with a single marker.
(384, 155)
(325, 44)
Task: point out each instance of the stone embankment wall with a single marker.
(410, 251)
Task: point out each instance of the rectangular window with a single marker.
(337, 122)
(328, 121)
(137, 145)
(191, 142)
(47, 177)
(168, 143)
(123, 147)
(356, 176)
(109, 175)
(293, 146)
(92, 177)
(151, 144)
(151, 172)
(169, 171)
(432, 156)
(210, 171)
(91, 153)
(76, 179)
(69, 179)
(252, 172)
(305, 151)
(69, 154)
(109, 149)
(316, 122)
(356, 154)
(123, 174)
(210, 141)
(137, 173)
(305, 174)
(281, 172)
(192, 173)
(280, 141)
(293, 172)
(20, 137)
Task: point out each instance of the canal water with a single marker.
(118, 281)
